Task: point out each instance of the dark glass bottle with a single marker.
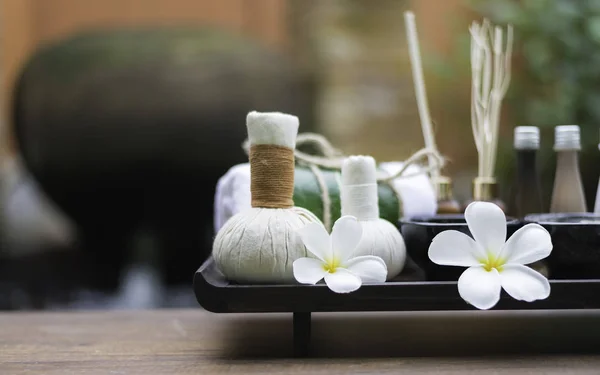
(528, 198)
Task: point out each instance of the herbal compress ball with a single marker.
(359, 199)
(260, 244)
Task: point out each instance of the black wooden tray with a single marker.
(216, 294)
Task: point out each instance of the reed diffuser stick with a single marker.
(419, 81)
(490, 68)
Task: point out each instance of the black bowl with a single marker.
(576, 244)
(418, 232)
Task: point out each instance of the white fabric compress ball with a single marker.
(382, 239)
(260, 243)
(359, 199)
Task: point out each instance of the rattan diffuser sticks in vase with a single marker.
(490, 69)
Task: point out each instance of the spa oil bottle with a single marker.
(528, 199)
(567, 195)
(597, 203)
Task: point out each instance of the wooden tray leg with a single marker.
(301, 333)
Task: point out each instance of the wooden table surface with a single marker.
(198, 342)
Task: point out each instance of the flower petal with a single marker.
(345, 236)
(342, 281)
(487, 224)
(317, 240)
(308, 270)
(479, 287)
(369, 268)
(527, 245)
(453, 248)
(523, 283)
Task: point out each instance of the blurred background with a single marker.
(119, 116)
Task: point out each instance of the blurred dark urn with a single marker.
(132, 128)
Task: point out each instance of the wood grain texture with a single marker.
(199, 342)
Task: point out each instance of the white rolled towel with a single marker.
(233, 191)
(416, 190)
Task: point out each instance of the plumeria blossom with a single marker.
(333, 259)
(493, 263)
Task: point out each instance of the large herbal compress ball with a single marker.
(260, 244)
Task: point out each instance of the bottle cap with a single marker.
(567, 137)
(527, 138)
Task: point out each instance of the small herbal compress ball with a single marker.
(359, 198)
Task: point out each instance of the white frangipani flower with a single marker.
(493, 263)
(334, 262)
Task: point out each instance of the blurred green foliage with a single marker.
(559, 58)
(556, 78)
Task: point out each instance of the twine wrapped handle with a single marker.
(267, 191)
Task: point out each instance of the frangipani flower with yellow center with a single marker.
(493, 262)
(333, 259)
